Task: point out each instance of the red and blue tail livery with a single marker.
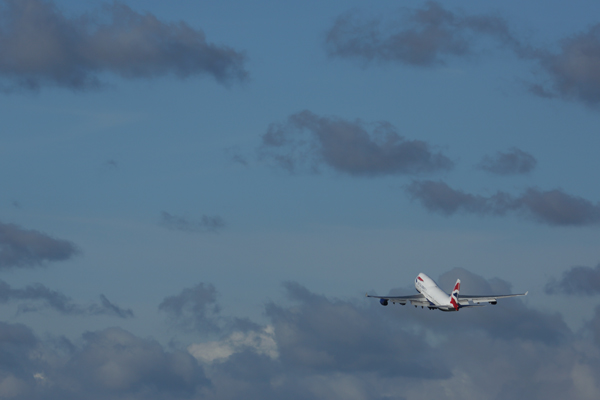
(434, 298)
(454, 296)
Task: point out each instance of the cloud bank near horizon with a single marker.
(317, 347)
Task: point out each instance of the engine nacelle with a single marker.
(493, 303)
(384, 302)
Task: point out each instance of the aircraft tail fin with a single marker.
(454, 295)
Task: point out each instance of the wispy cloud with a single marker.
(37, 297)
(107, 308)
(309, 141)
(26, 248)
(512, 162)
(552, 207)
(41, 46)
(179, 223)
(111, 164)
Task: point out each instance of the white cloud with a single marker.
(261, 342)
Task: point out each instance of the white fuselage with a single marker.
(436, 296)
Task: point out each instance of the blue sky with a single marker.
(215, 185)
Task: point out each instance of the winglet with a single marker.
(526, 292)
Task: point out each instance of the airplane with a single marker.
(432, 297)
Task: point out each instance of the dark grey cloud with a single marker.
(114, 362)
(552, 207)
(574, 72)
(17, 343)
(110, 363)
(195, 308)
(36, 297)
(308, 140)
(512, 162)
(433, 34)
(577, 280)
(24, 248)
(439, 197)
(42, 46)
(423, 37)
(510, 319)
(204, 224)
(594, 326)
(324, 335)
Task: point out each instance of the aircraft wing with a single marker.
(416, 299)
(464, 299)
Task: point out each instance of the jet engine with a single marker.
(384, 302)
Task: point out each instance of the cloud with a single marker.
(432, 34)
(236, 155)
(325, 335)
(115, 362)
(423, 37)
(318, 347)
(108, 308)
(512, 162)
(17, 343)
(261, 341)
(24, 248)
(307, 139)
(510, 319)
(111, 164)
(574, 71)
(178, 223)
(57, 301)
(594, 325)
(576, 281)
(111, 363)
(552, 207)
(195, 308)
(41, 46)
(338, 349)
(439, 197)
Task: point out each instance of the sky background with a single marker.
(196, 196)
